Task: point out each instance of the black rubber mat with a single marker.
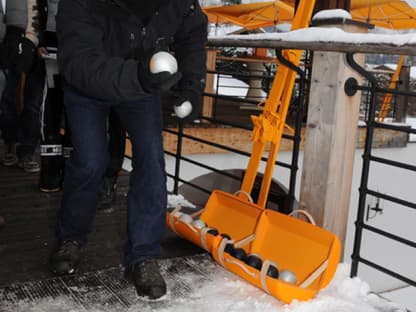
(108, 290)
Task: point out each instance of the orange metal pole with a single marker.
(268, 126)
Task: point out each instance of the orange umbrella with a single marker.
(394, 14)
(252, 15)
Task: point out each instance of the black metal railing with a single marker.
(238, 118)
(373, 89)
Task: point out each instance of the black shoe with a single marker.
(28, 164)
(147, 279)
(65, 259)
(10, 158)
(107, 194)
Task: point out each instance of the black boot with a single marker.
(108, 193)
(147, 279)
(65, 258)
(51, 168)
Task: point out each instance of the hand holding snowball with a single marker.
(159, 74)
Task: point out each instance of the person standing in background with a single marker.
(23, 93)
(55, 147)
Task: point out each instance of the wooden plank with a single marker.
(27, 238)
(355, 43)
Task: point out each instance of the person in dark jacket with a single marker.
(104, 48)
(23, 93)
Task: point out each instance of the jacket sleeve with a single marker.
(189, 46)
(82, 59)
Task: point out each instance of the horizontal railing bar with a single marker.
(392, 199)
(403, 128)
(389, 235)
(387, 271)
(393, 163)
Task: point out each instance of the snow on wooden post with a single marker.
(330, 134)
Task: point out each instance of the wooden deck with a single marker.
(28, 235)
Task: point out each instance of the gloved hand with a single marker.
(156, 83)
(25, 55)
(187, 106)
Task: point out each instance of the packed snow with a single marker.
(229, 293)
(179, 200)
(331, 34)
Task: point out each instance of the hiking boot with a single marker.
(108, 193)
(28, 164)
(147, 279)
(10, 158)
(65, 259)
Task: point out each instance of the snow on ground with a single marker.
(179, 200)
(228, 293)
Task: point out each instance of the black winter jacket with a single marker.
(100, 43)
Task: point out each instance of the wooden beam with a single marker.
(355, 43)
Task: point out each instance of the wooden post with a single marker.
(207, 108)
(331, 4)
(330, 141)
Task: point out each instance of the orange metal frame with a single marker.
(308, 251)
(269, 126)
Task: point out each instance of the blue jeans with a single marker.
(147, 196)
